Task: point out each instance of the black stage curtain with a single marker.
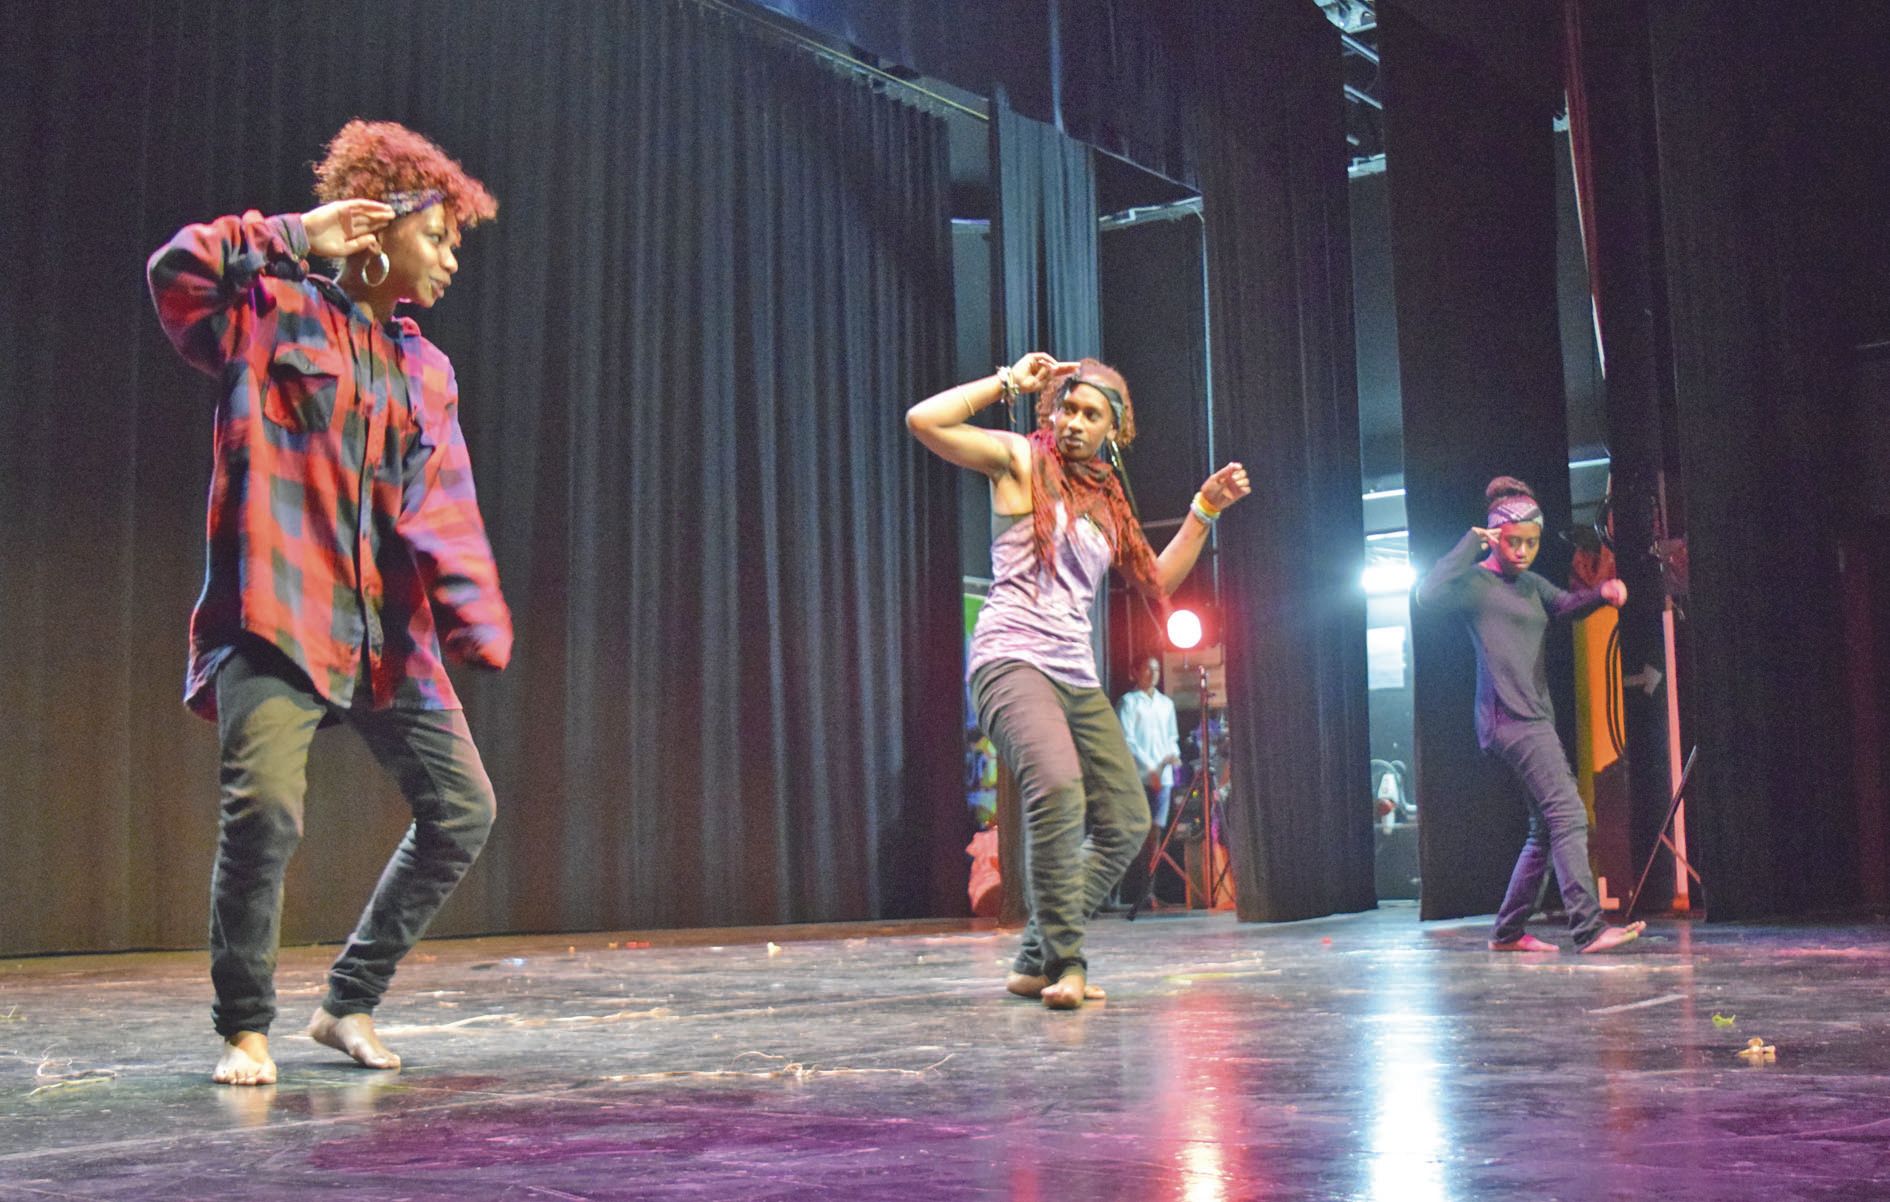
(1271, 143)
(1045, 286)
(1468, 150)
(1123, 82)
(1610, 86)
(1154, 320)
(1154, 325)
(982, 47)
(1103, 71)
(719, 275)
(1752, 143)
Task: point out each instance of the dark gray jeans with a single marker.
(1066, 749)
(266, 717)
(1558, 832)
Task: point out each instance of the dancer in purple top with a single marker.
(1060, 520)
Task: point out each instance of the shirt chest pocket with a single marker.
(304, 382)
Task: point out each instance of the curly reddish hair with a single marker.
(375, 159)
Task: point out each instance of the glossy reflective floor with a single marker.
(1366, 1057)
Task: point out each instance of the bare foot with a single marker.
(1613, 937)
(354, 1035)
(1025, 985)
(1069, 991)
(1524, 943)
(245, 1061)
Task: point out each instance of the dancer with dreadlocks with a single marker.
(344, 544)
(1060, 521)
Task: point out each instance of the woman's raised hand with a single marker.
(342, 227)
(1226, 486)
(1036, 371)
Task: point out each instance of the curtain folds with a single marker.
(720, 273)
(1471, 172)
(1612, 124)
(1269, 135)
(1758, 236)
(1047, 248)
(1107, 72)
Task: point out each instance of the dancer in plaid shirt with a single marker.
(345, 545)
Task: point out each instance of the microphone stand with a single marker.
(1213, 875)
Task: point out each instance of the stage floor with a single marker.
(1362, 1057)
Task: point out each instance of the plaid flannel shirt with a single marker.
(341, 495)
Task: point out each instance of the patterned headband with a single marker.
(404, 203)
(1513, 510)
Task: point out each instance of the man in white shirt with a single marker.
(1148, 720)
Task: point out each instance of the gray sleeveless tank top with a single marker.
(1041, 615)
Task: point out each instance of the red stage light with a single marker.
(1185, 629)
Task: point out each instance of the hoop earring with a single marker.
(385, 268)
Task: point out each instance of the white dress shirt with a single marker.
(1148, 721)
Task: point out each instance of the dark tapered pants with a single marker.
(266, 717)
(1558, 832)
(1066, 749)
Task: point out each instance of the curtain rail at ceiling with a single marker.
(1142, 213)
(788, 34)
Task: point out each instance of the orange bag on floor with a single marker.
(987, 883)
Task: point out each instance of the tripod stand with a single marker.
(1679, 795)
(1214, 869)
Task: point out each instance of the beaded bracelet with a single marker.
(1007, 391)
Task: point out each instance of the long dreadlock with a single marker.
(1088, 488)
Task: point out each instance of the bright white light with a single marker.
(1409, 1141)
(1384, 657)
(1387, 579)
(1184, 629)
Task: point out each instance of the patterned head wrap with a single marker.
(1513, 510)
(404, 203)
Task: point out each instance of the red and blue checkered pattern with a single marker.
(342, 519)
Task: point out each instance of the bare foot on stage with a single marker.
(1025, 985)
(354, 1035)
(245, 1061)
(1069, 992)
(1523, 943)
(1613, 937)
